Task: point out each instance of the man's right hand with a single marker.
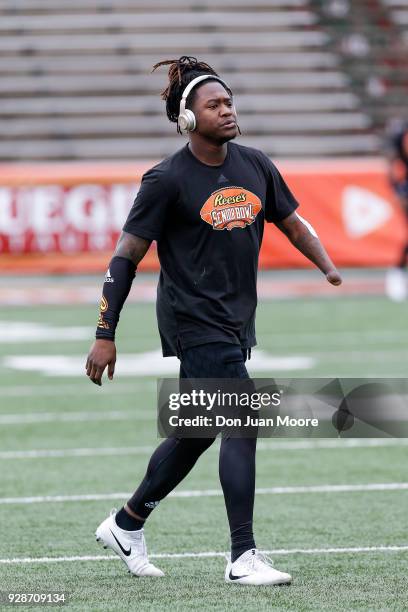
(102, 354)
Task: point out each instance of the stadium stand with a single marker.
(372, 41)
(310, 77)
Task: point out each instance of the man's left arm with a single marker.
(303, 236)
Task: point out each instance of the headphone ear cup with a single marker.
(187, 121)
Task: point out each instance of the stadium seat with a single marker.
(307, 77)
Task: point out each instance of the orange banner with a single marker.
(352, 208)
(61, 218)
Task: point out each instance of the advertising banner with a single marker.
(67, 217)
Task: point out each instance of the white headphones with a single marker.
(186, 119)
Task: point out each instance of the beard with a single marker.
(225, 139)
(221, 139)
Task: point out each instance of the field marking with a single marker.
(149, 363)
(209, 554)
(353, 355)
(261, 446)
(89, 389)
(76, 452)
(41, 499)
(70, 417)
(18, 332)
(340, 337)
(114, 387)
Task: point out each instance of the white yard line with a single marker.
(261, 446)
(209, 554)
(19, 332)
(277, 360)
(89, 389)
(148, 363)
(363, 356)
(339, 338)
(389, 486)
(331, 443)
(76, 452)
(69, 417)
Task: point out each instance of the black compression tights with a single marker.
(175, 457)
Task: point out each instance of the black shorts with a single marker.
(214, 360)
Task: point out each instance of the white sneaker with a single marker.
(396, 284)
(252, 567)
(129, 545)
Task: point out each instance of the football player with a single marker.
(206, 206)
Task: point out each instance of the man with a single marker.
(206, 206)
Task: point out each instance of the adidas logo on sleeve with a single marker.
(108, 277)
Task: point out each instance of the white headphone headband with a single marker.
(186, 120)
(197, 80)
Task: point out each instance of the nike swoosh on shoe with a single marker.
(232, 577)
(125, 552)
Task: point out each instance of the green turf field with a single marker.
(88, 441)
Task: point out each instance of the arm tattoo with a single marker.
(306, 242)
(132, 247)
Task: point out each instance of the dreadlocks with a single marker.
(181, 72)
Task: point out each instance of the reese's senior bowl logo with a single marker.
(231, 207)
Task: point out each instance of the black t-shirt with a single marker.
(208, 222)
